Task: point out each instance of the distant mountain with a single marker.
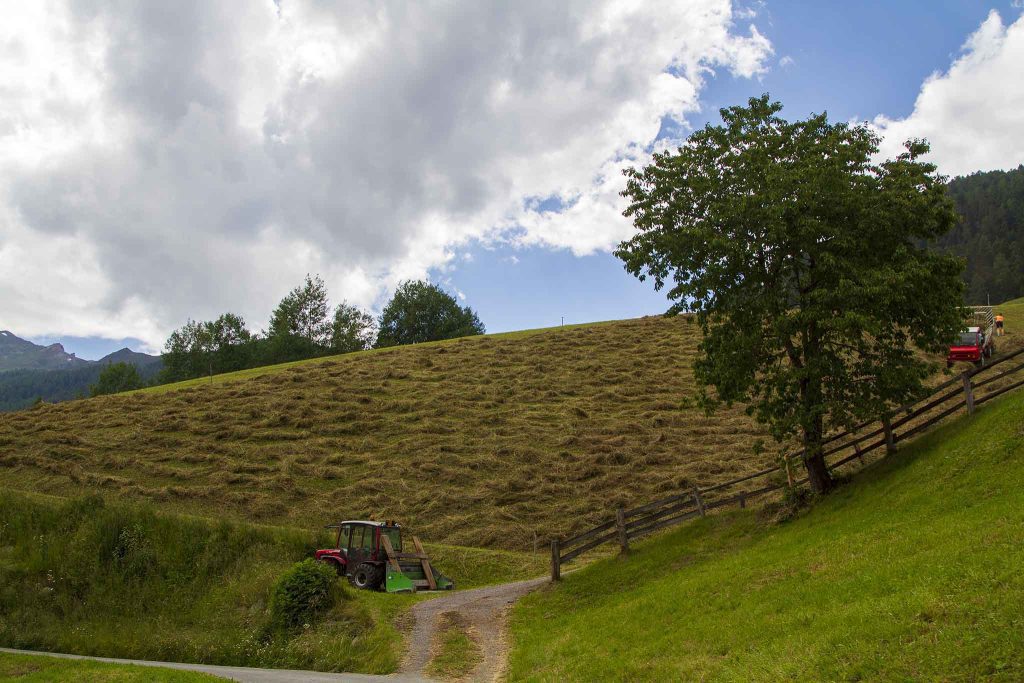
(19, 354)
(126, 355)
(29, 372)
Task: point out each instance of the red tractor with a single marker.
(973, 346)
(370, 555)
(976, 343)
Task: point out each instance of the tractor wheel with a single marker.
(366, 576)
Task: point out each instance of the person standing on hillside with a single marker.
(999, 324)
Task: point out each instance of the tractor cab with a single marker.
(973, 346)
(370, 554)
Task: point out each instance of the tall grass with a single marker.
(117, 580)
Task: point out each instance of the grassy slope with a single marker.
(120, 581)
(910, 572)
(35, 669)
(482, 441)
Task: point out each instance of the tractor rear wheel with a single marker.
(366, 576)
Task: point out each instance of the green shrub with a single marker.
(303, 593)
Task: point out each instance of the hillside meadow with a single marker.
(488, 441)
(910, 571)
(498, 441)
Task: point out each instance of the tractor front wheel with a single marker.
(366, 576)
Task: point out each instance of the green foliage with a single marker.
(115, 378)
(421, 312)
(990, 233)
(43, 669)
(303, 313)
(352, 329)
(208, 348)
(911, 572)
(299, 329)
(89, 577)
(457, 654)
(802, 261)
(302, 594)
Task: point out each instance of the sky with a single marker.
(167, 161)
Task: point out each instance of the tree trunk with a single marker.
(814, 459)
(817, 473)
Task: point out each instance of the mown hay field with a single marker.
(481, 441)
(494, 441)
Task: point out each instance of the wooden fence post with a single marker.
(789, 472)
(699, 500)
(556, 561)
(620, 525)
(968, 393)
(860, 456)
(890, 443)
(743, 499)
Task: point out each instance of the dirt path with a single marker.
(485, 610)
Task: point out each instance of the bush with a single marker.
(303, 593)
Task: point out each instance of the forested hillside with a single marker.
(990, 233)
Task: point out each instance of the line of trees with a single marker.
(304, 326)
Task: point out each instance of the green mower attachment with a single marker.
(412, 577)
(408, 572)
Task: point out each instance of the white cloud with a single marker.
(973, 114)
(166, 160)
(786, 61)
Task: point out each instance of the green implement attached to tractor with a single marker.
(370, 555)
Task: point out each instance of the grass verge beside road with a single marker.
(42, 669)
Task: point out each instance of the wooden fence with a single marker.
(958, 393)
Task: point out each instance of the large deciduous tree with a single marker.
(352, 329)
(421, 312)
(303, 313)
(115, 378)
(805, 263)
(300, 326)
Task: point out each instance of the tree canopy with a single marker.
(352, 329)
(200, 348)
(115, 378)
(803, 262)
(420, 312)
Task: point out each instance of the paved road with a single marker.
(243, 673)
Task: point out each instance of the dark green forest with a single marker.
(21, 388)
(990, 234)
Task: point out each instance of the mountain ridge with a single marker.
(30, 372)
(21, 354)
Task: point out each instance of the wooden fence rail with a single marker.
(628, 524)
